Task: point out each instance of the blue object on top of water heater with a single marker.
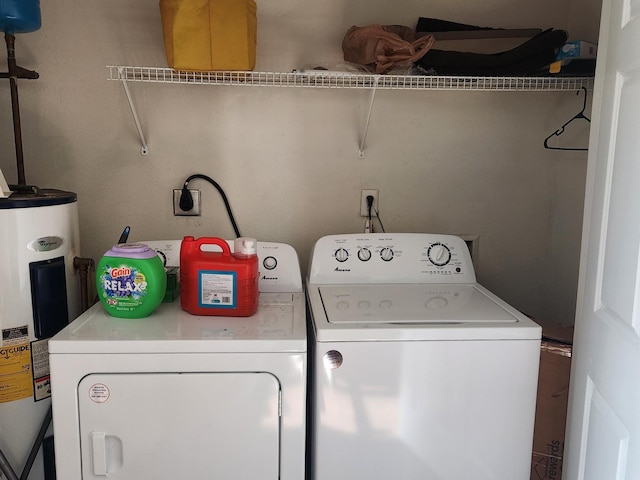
(19, 16)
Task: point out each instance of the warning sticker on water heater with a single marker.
(16, 381)
(15, 335)
(40, 361)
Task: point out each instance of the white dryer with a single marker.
(417, 371)
(176, 396)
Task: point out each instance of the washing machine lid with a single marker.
(364, 304)
(279, 325)
(414, 312)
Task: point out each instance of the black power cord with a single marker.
(379, 220)
(369, 205)
(186, 202)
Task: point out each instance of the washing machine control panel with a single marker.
(391, 258)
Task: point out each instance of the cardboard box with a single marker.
(551, 407)
(573, 50)
(207, 35)
(577, 49)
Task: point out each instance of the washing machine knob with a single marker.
(439, 254)
(341, 255)
(364, 254)
(270, 263)
(386, 254)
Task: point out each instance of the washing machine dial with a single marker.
(439, 254)
(341, 255)
(364, 254)
(386, 254)
(270, 263)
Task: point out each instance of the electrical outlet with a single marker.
(195, 211)
(364, 206)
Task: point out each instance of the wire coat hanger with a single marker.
(560, 131)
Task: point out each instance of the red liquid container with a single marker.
(219, 283)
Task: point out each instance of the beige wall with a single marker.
(449, 162)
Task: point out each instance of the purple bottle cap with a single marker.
(131, 250)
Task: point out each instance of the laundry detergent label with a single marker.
(131, 287)
(16, 379)
(217, 289)
(123, 286)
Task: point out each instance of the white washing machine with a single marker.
(417, 371)
(177, 396)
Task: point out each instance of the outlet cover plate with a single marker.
(196, 211)
(364, 208)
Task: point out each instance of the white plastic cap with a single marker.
(244, 246)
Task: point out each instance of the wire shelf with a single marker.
(327, 79)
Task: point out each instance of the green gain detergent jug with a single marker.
(130, 280)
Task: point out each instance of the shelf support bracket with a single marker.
(365, 130)
(145, 148)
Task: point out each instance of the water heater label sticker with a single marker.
(99, 393)
(16, 381)
(40, 361)
(15, 335)
(41, 388)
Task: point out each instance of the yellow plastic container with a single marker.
(209, 34)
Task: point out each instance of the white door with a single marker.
(169, 426)
(603, 433)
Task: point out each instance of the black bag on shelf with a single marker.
(433, 25)
(526, 59)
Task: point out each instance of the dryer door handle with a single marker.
(99, 453)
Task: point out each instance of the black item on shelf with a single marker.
(531, 56)
(432, 25)
(446, 30)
